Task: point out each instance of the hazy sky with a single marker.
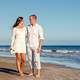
(60, 19)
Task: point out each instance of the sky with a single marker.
(59, 18)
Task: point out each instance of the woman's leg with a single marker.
(23, 61)
(18, 62)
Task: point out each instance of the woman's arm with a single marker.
(13, 36)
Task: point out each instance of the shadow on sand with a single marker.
(9, 71)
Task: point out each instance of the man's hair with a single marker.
(33, 15)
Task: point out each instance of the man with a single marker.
(35, 39)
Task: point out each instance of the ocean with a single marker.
(66, 55)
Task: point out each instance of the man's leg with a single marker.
(30, 61)
(37, 63)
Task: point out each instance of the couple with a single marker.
(32, 37)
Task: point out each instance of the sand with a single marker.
(49, 71)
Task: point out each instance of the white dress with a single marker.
(19, 39)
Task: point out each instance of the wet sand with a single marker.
(49, 71)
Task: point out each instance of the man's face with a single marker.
(32, 20)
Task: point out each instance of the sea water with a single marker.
(67, 55)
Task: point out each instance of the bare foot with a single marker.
(30, 74)
(37, 76)
(21, 74)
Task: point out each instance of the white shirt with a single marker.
(35, 33)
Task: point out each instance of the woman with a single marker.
(18, 43)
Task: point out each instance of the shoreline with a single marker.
(10, 59)
(48, 71)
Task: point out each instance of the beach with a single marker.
(48, 72)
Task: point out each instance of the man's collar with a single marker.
(34, 25)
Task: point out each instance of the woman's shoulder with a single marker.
(14, 28)
(25, 28)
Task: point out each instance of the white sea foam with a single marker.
(4, 49)
(46, 50)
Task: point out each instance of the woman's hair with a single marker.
(19, 19)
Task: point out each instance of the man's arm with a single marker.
(40, 45)
(41, 38)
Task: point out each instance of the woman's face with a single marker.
(21, 24)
